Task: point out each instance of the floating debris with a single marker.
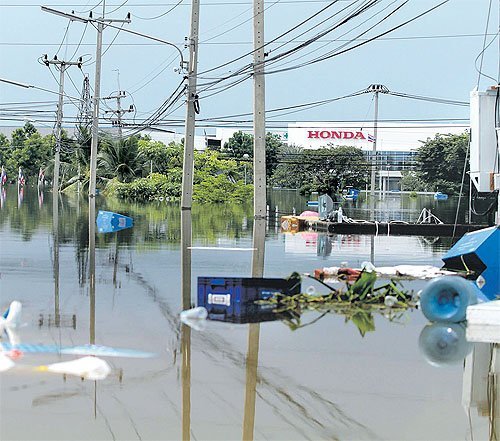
(89, 368)
(109, 222)
(357, 302)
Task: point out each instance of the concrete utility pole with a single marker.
(259, 203)
(119, 112)
(100, 23)
(375, 89)
(187, 175)
(62, 66)
(191, 108)
(259, 127)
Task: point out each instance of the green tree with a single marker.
(440, 162)
(329, 169)
(161, 157)
(29, 151)
(326, 170)
(289, 169)
(273, 146)
(4, 149)
(238, 145)
(410, 181)
(120, 159)
(241, 144)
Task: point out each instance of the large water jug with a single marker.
(445, 299)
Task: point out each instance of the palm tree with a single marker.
(120, 159)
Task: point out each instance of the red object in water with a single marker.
(309, 213)
(349, 274)
(15, 354)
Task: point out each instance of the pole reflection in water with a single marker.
(20, 195)
(186, 234)
(186, 381)
(92, 269)
(40, 196)
(481, 390)
(55, 235)
(252, 358)
(3, 196)
(92, 220)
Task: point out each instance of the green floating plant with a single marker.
(357, 302)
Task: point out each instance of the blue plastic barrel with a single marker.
(444, 343)
(445, 299)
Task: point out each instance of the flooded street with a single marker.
(225, 381)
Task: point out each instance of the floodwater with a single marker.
(227, 381)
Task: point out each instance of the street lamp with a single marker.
(245, 157)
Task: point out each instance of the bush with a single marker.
(154, 187)
(220, 189)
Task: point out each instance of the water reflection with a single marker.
(325, 245)
(234, 381)
(20, 195)
(55, 235)
(444, 343)
(481, 391)
(92, 281)
(395, 206)
(186, 234)
(3, 196)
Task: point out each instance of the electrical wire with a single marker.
(332, 3)
(481, 54)
(339, 39)
(80, 42)
(331, 55)
(330, 29)
(119, 7)
(112, 41)
(64, 37)
(158, 16)
(88, 10)
(240, 24)
(429, 99)
(367, 5)
(163, 69)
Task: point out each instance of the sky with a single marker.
(437, 55)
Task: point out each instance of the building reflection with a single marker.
(445, 344)
(481, 391)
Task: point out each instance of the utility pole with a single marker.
(191, 108)
(187, 172)
(259, 204)
(100, 23)
(259, 127)
(119, 112)
(375, 89)
(61, 65)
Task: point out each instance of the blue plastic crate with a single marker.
(233, 298)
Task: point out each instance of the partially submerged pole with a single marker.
(191, 102)
(260, 211)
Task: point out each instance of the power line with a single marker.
(237, 43)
